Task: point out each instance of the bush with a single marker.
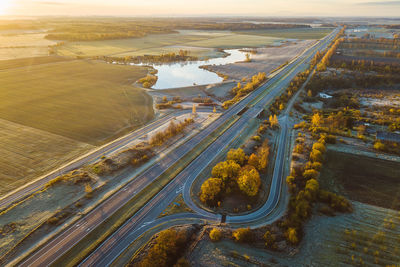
(242, 235)
(316, 155)
(310, 174)
(379, 146)
(291, 235)
(215, 234)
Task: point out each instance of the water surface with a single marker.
(173, 75)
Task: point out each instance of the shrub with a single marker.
(316, 156)
(320, 147)
(291, 235)
(215, 234)
(242, 235)
(310, 174)
(254, 161)
(379, 146)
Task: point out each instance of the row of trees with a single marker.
(305, 191)
(168, 247)
(327, 55)
(173, 129)
(239, 173)
(181, 55)
(241, 90)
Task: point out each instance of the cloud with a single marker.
(381, 3)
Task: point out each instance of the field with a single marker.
(301, 33)
(54, 110)
(83, 100)
(200, 43)
(360, 177)
(27, 152)
(23, 45)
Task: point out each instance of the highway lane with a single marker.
(121, 239)
(59, 245)
(55, 248)
(120, 143)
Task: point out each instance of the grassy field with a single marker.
(301, 33)
(200, 43)
(24, 62)
(27, 152)
(23, 45)
(360, 177)
(86, 101)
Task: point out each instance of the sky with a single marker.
(379, 8)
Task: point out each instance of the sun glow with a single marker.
(4, 6)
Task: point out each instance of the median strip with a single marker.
(84, 247)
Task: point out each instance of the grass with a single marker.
(199, 43)
(176, 206)
(360, 177)
(235, 41)
(300, 33)
(28, 62)
(151, 44)
(86, 101)
(98, 235)
(23, 45)
(28, 152)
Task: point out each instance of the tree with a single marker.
(312, 186)
(316, 155)
(320, 147)
(210, 190)
(237, 155)
(263, 154)
(316, 120)
(254, 161)
(310, 174)
(249, 180)
(248, 59)
(242, 235)
(379, 146)
(269, 239)
(215, 234)
(291, 235)
(281, 106)
(226, 170)
(309, 93)
(182, 262)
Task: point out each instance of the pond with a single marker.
(182, 74)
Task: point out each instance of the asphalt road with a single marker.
(90, 157)
(147, 216)
(113, 246)
(72, 235)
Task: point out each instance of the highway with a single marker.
(147, 216)
(92, 156)
(59, 245)
(113, 246)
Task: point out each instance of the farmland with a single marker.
(83, 100)
(23, 45)
(28, 152)
(199, 43)
(300, 33)
(53, 112)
